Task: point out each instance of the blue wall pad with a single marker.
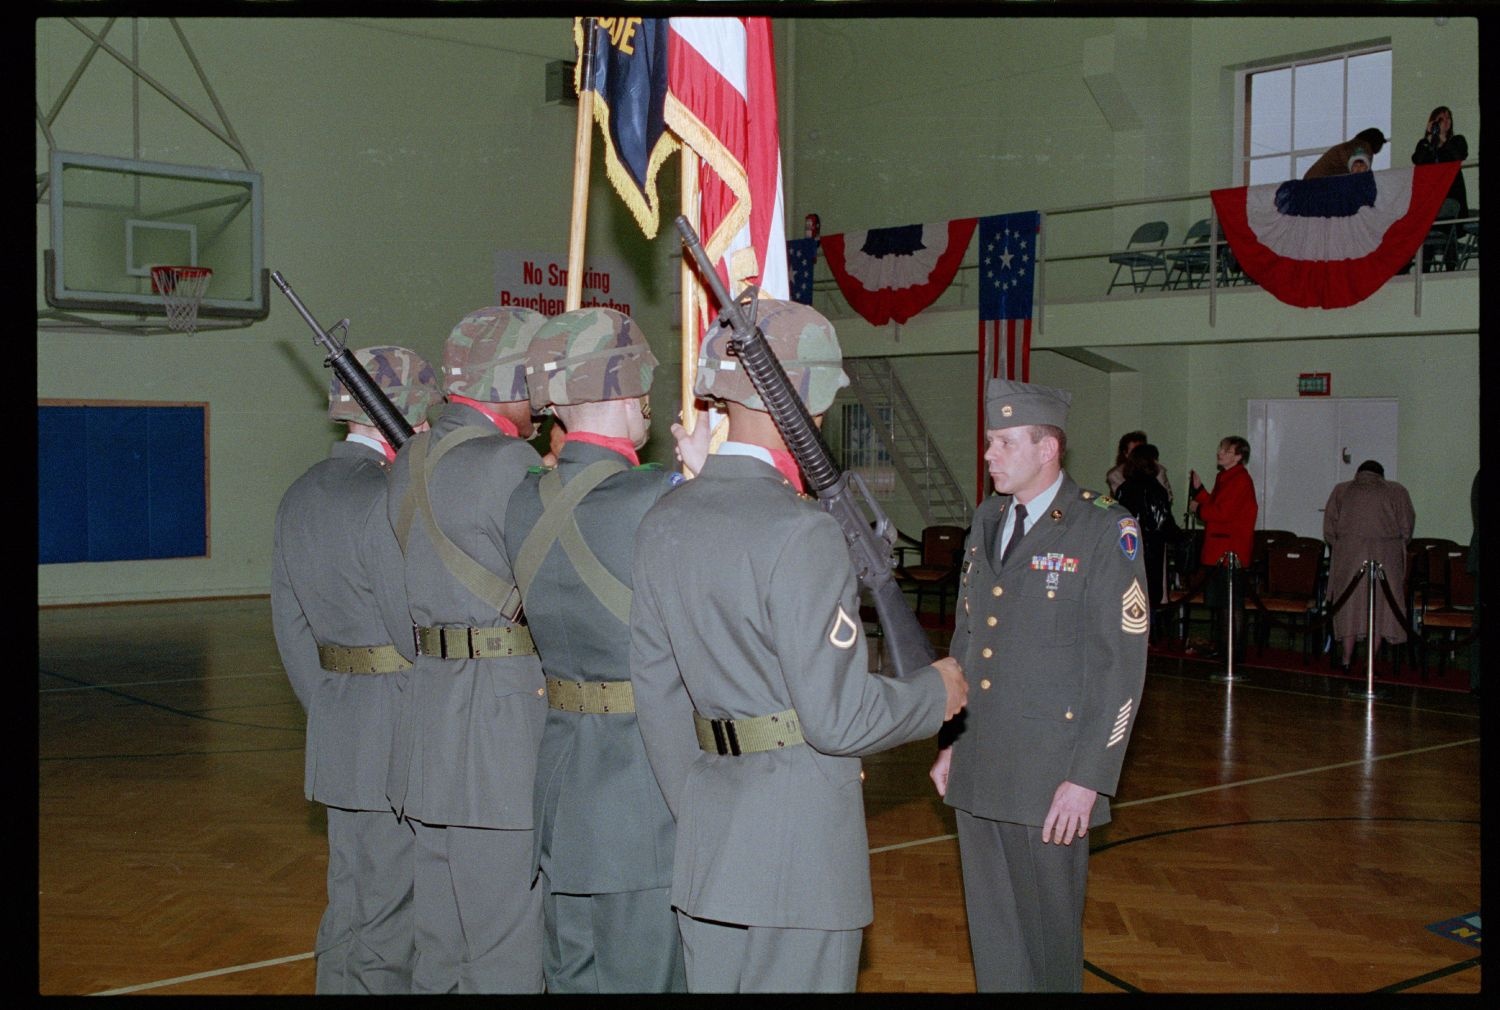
(121, 483)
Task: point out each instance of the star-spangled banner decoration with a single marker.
(1007, 285)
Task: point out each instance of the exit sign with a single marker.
(1314, 383)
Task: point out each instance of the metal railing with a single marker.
(1222, 271)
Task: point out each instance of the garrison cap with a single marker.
(485, 355)
(401, 373)
(588, 355)
(802, 340)
(1009, 404)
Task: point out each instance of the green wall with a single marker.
(399, 155)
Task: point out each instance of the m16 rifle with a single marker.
(371, 398)
(869, 547)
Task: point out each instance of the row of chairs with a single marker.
(1186, 266)
(1450, 245)
(1289, 575)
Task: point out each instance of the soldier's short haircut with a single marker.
(1239, 445)
(1041, 431)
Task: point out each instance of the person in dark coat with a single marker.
(1142, 494)
(1439, 143)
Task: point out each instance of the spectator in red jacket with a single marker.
(1228, 516)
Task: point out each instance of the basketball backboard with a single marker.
(112, 219)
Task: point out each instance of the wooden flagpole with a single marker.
(690, 292)
(583, 147)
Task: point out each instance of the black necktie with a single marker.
(1017, 531)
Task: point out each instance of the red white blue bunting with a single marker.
(894, 273)
(1331, 243)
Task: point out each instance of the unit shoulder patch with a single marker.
(1130, 537)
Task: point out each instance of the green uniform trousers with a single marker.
(722, 957)
(364, 944)
(478, 919)
(1024, 900)
(625, 942)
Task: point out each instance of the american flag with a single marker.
(721, 103)
(801, 256)
(1007, 272)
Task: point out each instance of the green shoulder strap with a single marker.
(478, 579)
(558, 523)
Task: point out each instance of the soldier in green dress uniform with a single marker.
(464, 758)
(603, 830)
(1051, 632)
(754, 695)
(338, 610)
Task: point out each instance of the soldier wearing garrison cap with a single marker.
(753, 691)
(603, 845)
(339, 613)
(464, 758)
(1051, 632)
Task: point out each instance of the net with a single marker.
(181, 290)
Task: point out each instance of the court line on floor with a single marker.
(149, 683)
(204, 974)
(110, 689)
(881, 848)
(1220, 787)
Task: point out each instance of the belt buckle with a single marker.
(469, 634)
(416, 640)
(733, 737)
(718, 730)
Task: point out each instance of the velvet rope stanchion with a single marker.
(1231, 564)
(1371, 570)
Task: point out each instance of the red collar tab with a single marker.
(492, 412)
(623, 446)
(787, 464)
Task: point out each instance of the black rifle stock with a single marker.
(869, 548)
(376, 405)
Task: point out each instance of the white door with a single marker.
(1299, 449)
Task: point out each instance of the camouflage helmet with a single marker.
(588, 355)
(402, 374)
(485, 355)
(802, 340)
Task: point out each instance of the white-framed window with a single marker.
(1290, 112)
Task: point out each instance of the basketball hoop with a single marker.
(181, 290)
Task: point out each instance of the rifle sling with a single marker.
(558, 523)
(479, 580)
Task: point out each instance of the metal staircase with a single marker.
(914, 456)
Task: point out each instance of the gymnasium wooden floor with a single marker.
(1271, 836)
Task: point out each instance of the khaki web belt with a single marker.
(474, 643)
(558, 524)
(746, 736)
(361, 659)
(479, 580)
(592, 697)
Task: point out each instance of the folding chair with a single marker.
(1143, 257)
